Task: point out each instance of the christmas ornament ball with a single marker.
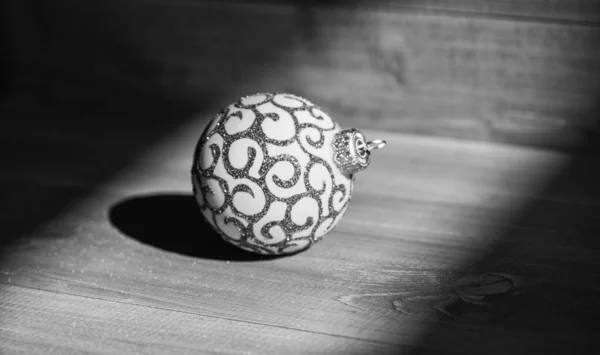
(273, 173)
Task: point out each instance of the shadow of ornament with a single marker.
(172, 222)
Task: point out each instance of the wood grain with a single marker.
(456, 69)
(30, 322)
(424, 211)
(561, 11)
(465, 77)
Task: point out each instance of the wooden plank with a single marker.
(584, 12)
(56, 323)
(464, 77)
(562, 11)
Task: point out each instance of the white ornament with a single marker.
(273, 173)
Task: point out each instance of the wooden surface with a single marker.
(522, 72)
(102, 246)
(105, 260)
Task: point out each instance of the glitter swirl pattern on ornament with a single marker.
(264, 174)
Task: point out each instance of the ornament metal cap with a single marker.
(352, 152)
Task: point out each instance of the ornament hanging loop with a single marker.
(376, 144)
